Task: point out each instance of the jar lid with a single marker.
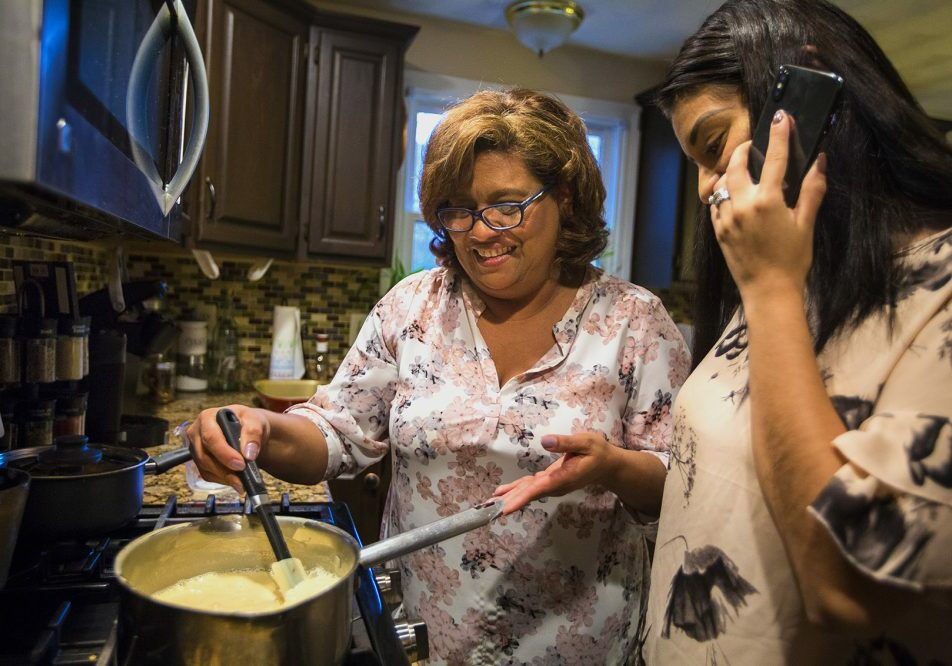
(73, 456)
(8, 326)
(77, 328)
(71, 405)
(36, 327)
(37, 410)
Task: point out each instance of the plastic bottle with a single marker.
(322, 366)
(223, 353)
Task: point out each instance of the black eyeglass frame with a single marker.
(478, 214)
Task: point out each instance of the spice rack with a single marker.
(44, 354)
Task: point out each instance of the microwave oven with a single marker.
(103, 115)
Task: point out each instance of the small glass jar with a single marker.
(158, 376)
(39, 350)
(9, 351)
(70, 415)
(36, 423)
(73, 338)
(8, 416)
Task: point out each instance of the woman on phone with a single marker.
(815, 427)
(807, 514)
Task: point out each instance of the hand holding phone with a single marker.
(809, 97)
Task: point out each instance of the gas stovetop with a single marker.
(61, 601)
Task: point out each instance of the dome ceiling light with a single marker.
(543, 25)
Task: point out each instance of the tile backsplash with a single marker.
(326, 293)
(89, 263)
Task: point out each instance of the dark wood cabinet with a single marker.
(353, 126)
(304, 138)
(365, 496)
(250, 187)
(666, 209)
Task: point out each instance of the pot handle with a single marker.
(426, 535)
(166, 461)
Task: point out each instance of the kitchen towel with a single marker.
(287, 354)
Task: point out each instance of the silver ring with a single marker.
(719, 197)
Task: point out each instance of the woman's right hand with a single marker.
(215, 459)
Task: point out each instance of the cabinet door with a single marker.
(353, 119)
(365, 496)
(251, 176)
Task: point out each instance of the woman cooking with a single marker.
(478, 372)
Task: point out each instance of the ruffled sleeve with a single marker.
(659, 361)
(889, 509)
(353, 411)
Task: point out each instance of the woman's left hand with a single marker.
(766, 244)
(588, 458)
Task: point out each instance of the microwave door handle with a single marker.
(156, 35)
(135, 106)
(196, 140)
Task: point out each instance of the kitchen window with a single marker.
(612, 135)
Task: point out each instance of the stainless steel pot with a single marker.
(80, 489)
(314, 631)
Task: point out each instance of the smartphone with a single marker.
(809, 96)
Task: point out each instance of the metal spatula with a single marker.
(287, 571)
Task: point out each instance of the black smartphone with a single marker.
(809, 96)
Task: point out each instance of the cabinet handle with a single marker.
(212, 199)
(382, 220)
(371, 481)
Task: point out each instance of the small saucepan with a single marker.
(79, 489)
(313, 631)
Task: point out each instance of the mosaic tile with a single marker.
(324, 292)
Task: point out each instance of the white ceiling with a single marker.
(915, 34)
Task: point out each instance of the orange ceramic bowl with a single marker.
(279, 394)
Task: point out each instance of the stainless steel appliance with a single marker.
(94, 97)
(61, 601)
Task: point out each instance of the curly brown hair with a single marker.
(552, 141)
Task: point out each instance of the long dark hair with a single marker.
(889, 173)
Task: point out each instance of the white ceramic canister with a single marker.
(191, 357)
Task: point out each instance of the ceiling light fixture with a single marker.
(543, 25)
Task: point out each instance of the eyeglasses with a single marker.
(499, 217)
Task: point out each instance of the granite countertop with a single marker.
(159, 487)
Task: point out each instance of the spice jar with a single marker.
(69, 415)
(36, 423)
(158, 376)
(9, 351)
(87, 324)
(72, 350)
(39, 350)
(8, 417)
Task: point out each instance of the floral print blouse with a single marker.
(722, 589)
(562, 581)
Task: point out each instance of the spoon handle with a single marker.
(253, 484)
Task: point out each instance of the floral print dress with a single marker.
(722, 589)
(562, 581)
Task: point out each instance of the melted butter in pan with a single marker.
(242, 591)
